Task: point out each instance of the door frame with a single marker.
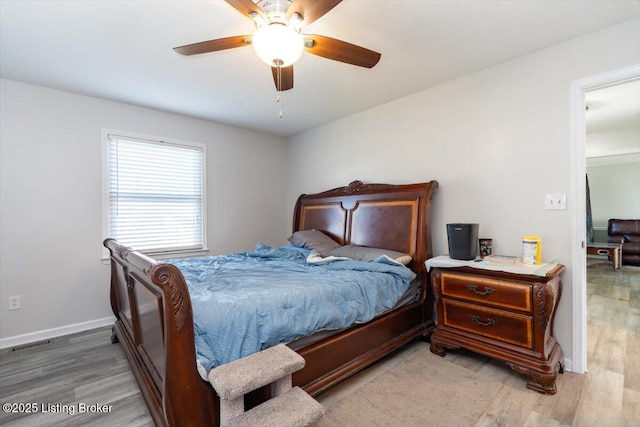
(579, 88)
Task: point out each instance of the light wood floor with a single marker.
(57, 379)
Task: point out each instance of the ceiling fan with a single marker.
(278, 39)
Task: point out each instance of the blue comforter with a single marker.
(246, 302)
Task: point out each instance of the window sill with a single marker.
(159, 256)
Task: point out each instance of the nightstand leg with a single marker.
(437, 349)
(542, 383)
(438, 346)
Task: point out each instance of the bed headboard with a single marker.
(385, 216)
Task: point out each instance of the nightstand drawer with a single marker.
(500, 325)
(485, 291)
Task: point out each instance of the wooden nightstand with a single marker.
(503, 315)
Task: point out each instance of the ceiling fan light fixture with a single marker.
(278, 44)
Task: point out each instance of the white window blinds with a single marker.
(156, 194)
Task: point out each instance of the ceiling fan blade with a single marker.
(245, 7)
(213, 45)
(285, 78)
(311, 9)
(341, 51)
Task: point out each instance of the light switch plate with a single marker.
(555, 201)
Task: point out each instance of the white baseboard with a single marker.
(567, 366)
(55, 332)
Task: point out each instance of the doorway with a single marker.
(578, 256)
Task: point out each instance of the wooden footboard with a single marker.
(155, 327)
(155, 322)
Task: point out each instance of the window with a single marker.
(154, 193)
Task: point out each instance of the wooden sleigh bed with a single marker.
(154, 322)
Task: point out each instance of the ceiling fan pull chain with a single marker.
(278, 86)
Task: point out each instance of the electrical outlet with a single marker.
(14, 302)
(557, 201)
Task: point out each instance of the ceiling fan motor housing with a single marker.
(275, 10)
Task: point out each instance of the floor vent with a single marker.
(30, 345)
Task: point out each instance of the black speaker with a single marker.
(463, 241)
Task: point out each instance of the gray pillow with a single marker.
(314, 239)
(363, 253)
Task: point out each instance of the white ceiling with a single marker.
(613, 124)
(613, 108)
(122, 50)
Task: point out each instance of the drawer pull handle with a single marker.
(487, 290)
(603, 252)
(489, 322)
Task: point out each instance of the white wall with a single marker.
(497, 141)
(615, 192)
(51, 200)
